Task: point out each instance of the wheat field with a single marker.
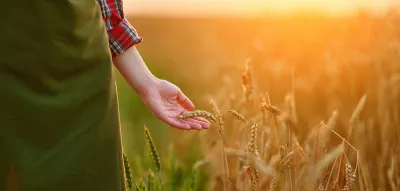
(301, 102)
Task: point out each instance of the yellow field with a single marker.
(324, 93)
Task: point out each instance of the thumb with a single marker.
(185, 102)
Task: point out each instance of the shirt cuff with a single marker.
(122, 36)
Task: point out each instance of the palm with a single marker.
(167, 102)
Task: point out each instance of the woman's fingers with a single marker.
(203, 125)
(182, 124)
(175, 123)
(193, 125)
(196, 123)
(202, 120)
(185, 101)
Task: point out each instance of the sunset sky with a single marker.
(248, 6)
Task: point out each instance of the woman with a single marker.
(59, 123)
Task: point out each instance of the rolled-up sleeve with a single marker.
(121, 34)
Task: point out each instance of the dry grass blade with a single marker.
(328, 159)
(344, 140)
(255, 161)
(358, 109)
(332, 120)
(330, 174)
(391, 172)
(286, 160)
(356, 114)
(330, 126)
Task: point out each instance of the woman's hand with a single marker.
(167, 102)
(164, 99)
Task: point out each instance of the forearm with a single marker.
(132, 67)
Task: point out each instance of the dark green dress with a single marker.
(59, 124)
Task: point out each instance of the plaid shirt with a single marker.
(121, 35)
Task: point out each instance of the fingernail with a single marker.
(206, 126)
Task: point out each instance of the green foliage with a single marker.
(193, 178)
(150, 181)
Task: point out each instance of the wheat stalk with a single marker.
(193, 177)
(252, 149)
(209, 116)
(154, 154)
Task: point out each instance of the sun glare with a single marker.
(253, 6)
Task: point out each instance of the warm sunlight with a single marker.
(250, 6)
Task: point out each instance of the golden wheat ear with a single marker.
(237, 115)
(198, 113)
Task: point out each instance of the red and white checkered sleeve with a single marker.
(121, 34)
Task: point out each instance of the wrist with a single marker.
(147, 85)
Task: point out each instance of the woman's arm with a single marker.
(132, 67)
(164, 99)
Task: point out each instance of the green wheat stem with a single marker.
(160, 177)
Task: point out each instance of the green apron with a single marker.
(59, 123)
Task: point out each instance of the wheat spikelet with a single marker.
(254, 179)
(272, 109)
(252, 149)
(321, 187)
(350, 177)
(237, 115)
(217, 113)
(276, 183)
(263, 113)
(251, 146)
(247, 82)
(142, 186)
(128, 173)
(152, 147)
